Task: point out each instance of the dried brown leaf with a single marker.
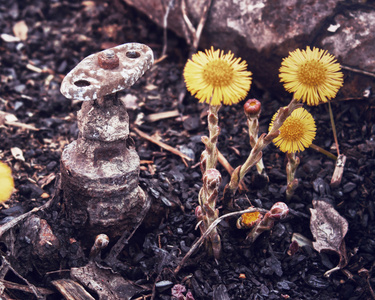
(106, 283)
(329, 230)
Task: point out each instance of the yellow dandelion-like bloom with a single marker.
(297, 132)
(215, 78)
(6, 182)
(312, 75)
(249, 219)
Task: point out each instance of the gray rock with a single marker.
(264, 31)
(354, 39)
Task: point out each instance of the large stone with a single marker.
(353, 43)
(264, 31)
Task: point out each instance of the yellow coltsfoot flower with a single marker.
(312, 75)
(248, 220)
(6, 182)
(297, 132)
(216, 78)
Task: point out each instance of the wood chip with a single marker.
(72, 290)
(161, 144)
(20, 30)
(162, 115)
(17, 153)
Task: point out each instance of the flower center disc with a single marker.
(312, 73)
(218, 73)
(292, 129)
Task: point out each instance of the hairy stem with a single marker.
(291, 168)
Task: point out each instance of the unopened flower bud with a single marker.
(252, 108)
(279, 211)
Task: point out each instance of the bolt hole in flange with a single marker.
(82, 83)
(133, 54)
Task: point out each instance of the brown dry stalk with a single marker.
(161, 144)
(24, 288)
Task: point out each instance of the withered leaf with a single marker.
(106, 283)
(329, 230)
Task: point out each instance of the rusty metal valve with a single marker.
(100, 170)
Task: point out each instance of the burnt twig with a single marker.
(161, 144)
(27, 289)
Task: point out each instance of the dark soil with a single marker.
(60, 35)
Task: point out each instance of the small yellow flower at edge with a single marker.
(215, 78)
(312, 75)
(297, 132)
(6, 182)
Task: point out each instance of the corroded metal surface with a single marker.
(89, 81)
(100, 170)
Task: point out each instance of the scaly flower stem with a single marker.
(277, 212)
(333, 128)
(253, 125)
(209, 156)
(291, 167)
(206, 212)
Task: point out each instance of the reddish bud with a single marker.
(279, 211)
(252, 107)
(178, 290)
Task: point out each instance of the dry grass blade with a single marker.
(162, 115)
(161, 144)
